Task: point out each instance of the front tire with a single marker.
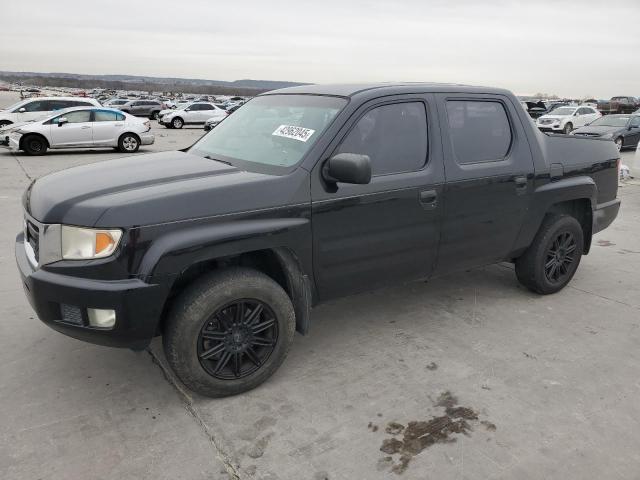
(177, 122)
(128, 143)
(34, 145)
(553, 257)
(229, 332)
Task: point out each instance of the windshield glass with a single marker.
(16, 105)
(610, 121)
(273, 130)
(563, 111)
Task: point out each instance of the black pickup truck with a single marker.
(306, 194)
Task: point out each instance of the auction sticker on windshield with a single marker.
(296, 133)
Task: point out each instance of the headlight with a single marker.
(88, 243)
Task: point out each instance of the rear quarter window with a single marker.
(479, 130)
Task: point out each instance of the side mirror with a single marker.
(22, 110)
(348, 168)
(62, 121)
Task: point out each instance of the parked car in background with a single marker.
(115, 102)
(213, 122)
(34, 108)
(193, 114)
(142, 108)
(536, 109)
(84, 127)
(308, 194)
(619, 105)
(624, 130)
(565, 119)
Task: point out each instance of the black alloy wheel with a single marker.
(237, 339)
(560, 257)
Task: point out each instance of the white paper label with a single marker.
(296, 133)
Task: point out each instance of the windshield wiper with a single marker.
(209, 157)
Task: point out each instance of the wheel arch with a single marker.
(181, 257)
(129, 133)
(33, 134)
(576, 196)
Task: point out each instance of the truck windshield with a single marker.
(610, 121)
(272, 131)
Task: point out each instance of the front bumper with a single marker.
(604, 214)
(138, 305)
(14, 142)
(147, 139)
(550, 128)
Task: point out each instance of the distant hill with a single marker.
(138, 82)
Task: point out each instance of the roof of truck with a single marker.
(351, 89)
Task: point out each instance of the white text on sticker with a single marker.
(296, 133)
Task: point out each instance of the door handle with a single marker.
(429, 198)
(85, 127)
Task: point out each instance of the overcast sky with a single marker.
(571, 48)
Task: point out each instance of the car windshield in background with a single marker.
(270, 131)
(14, 106)
(610, 121)
(563, 111)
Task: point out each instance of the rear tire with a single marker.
(154, 115)
(554, 255)
(217, 348)
(568, 128)
(34, 145)
(128, 143)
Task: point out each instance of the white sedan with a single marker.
(565, 119)
(84, 127)
(193, 114)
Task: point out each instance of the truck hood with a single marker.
(149, 189)
(554, 117)
(596, 130)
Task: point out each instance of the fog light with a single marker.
(101, 318)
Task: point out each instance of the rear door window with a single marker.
(104, 116)
(479, 130)
(394, 137)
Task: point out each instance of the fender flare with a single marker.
(546, 196)
(173, 253)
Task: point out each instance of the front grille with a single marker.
(587, 134)
(33, 237)
(546, 121)
(71, 314)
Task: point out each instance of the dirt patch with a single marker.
(605, 243)
(409, 441)
(488, 425)
(432, 366)
(446, 400)
(394, 428)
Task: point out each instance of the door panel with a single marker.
(77, 132)
(485, 202)
(368, 236)
(106, 133)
